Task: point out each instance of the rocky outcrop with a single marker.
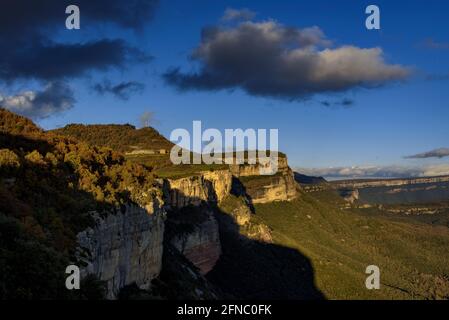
(350, 195)
(265, 189)
(221, 182)
(124, 247)
(214, 186)
(245, 170)
(236, 217)
(201, 244)
(209, 186)
(199, 241)
(194, 228)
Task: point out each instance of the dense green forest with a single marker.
(48, 185)
(118, 137)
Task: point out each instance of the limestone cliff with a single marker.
(124, 247)
(245, 170)
(208, 186)
(194, 230)
(267, 188)
(200, 243)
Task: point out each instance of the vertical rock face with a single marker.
(124, 247)
(264, 189)
(200, 242)
(245, 170)
(221, 182)
(211, 186)
(214, 186)
(201, 246)
(267, 188)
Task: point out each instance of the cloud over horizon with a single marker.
(436, 153)
(272, 60)
(376, 171)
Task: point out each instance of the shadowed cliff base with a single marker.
(253, 269)
(247, 268)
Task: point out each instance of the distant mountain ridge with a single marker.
(365, 183)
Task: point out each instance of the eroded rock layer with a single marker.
(123, 248)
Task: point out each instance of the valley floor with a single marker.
(413, 257)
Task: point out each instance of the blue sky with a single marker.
(383, 124)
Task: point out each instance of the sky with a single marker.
(347, 101)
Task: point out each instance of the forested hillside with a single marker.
(48, 185)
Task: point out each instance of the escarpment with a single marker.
(127, 247)
(267, 188)
(194, 233)
(209, 186)
(198, 239)
(123, 248)
(244, 170)
(264, 189)
(191, 218)
(245, 179)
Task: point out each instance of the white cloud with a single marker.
(54, 98)
(270, 59)
(377, 171)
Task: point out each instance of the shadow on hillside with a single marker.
(252, 269)
(239, 189)
(42, 214)
(42, 208)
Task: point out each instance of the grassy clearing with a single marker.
(187, 170)
(163, 167)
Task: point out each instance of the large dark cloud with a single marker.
(28, 29)
(121, 90)
(269, 59)
(21, 18)
(436, 153)
(56, 97)
(55, 61)
(33, 46)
